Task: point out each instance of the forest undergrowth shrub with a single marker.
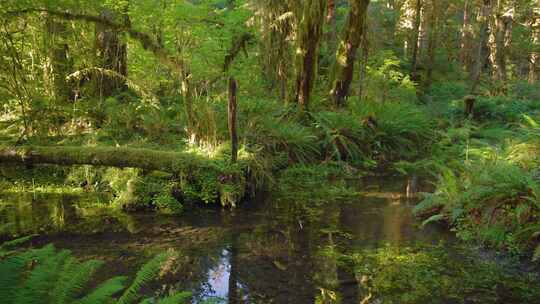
(403, 129)
(447, 91)
(290, 139)
(491, 202)
(494, 109)
(342, 137)
(524, 90)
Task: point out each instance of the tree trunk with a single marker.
(364, 62)
(232, 119)
(346, 54)
(534, 56)
(332, 27)
(482, 52)
(111, 55)
(415, 42)
(309, 35)
(187, 99)
(58, 64)
(105, 156)
(501, 25)
(467, 36)
(432, 42)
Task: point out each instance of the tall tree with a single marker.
(416, 37)
(433, 28)
(346, 54)
(467, 36)
(534, 56)
(58, 63)
(311, 16)
(500, 29)
(111, 51)
(482, 53)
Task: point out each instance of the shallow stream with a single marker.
(268, 251)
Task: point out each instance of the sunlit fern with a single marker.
(47, 275)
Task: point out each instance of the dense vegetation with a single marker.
(168, 104)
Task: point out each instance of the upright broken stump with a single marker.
(469, 101)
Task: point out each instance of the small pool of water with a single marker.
(268, 251)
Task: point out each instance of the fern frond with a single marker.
(12, 269)
(147, 273)
(73, 278)
(42, 279)
(16, 242)
(104, 292)
(178, 298)
(432, 219)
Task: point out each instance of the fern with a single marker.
(12, 269)
(433, 218)
(37, 286)
(105, 291)
(73, 279)
(148, 272)
(178, 298)
(48, 276)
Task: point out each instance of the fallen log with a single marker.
(119, 157)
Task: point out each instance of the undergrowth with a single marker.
(47, 275)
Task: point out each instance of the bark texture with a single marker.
(232, 119)
(310, 28)
(346, 54)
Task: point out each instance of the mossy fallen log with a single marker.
(198, 178)
(119, 157)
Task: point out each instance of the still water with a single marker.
(268, 251)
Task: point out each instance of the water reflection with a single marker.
(273, 252)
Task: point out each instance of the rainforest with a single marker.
(269, 151)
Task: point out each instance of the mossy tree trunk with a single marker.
(105, 156)
(232, 109)
(346, 54)
(57, 63)
(111, 52)
(310, 26)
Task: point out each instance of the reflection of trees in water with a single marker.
(26, 213)
(284, 253)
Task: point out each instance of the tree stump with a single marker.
(469, 101)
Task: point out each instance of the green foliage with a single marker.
(341, 136)
(430, 274)
(386, 81)
(403, 129)
(316, 184)
(491, 194)
(47, 275)
(285, 137)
